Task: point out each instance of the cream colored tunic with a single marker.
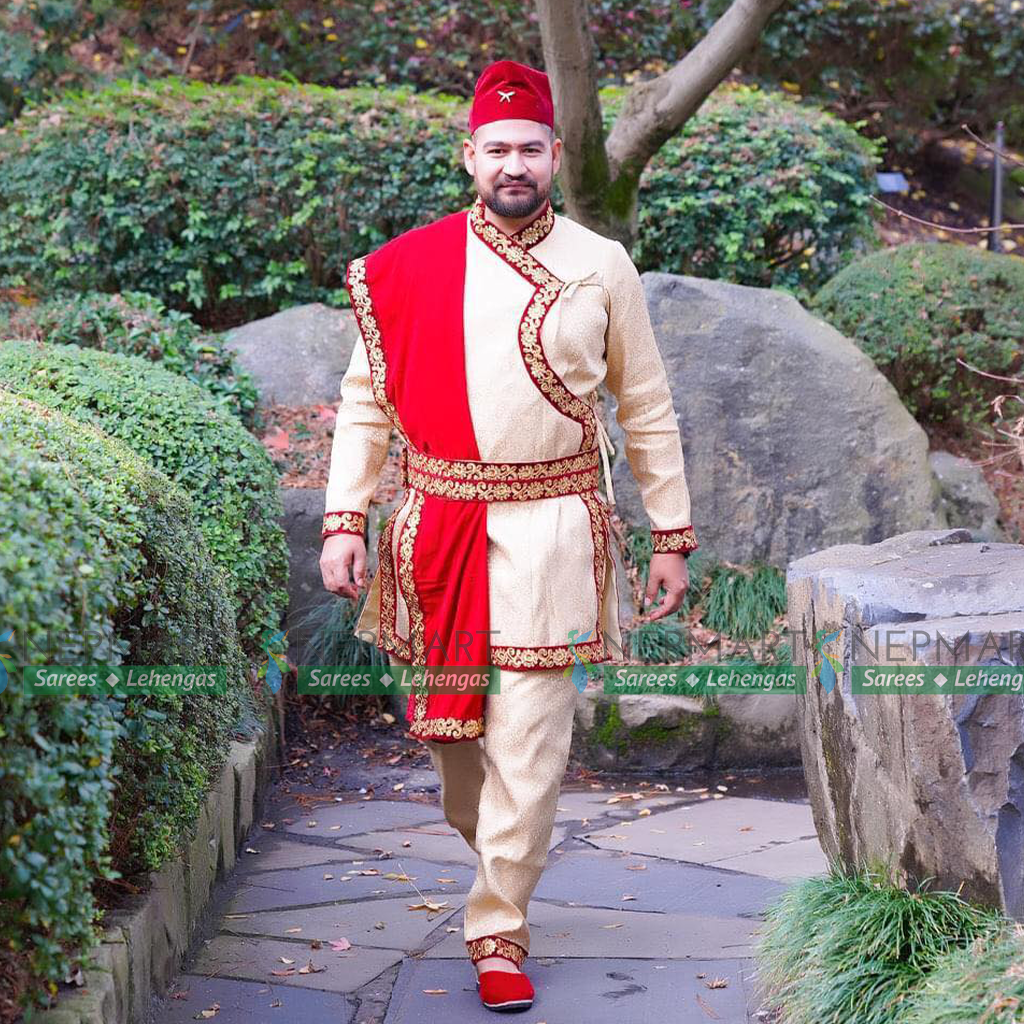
(545, 556)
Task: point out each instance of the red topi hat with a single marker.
(508, 89)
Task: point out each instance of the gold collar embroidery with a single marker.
(527, 236)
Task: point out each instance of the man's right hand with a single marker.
(342, 561)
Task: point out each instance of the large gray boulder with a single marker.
(298, 356)
(932, 784)
(793, 440)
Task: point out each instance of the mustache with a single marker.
(527, 184)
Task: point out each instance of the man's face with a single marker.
(513, 164)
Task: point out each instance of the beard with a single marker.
(515, 204)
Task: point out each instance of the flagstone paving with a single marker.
(346, 905)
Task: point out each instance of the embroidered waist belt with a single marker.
(472, 480)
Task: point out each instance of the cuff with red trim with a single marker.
(344, 522)
(680, 541)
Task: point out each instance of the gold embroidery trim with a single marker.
(600, 532)
(344, 522)
(362, 307)
(470, 480)
(538, 228)
(496, 945)
(546, 290)
(683, 539)
(389, 637)
(406, 580)
(547, 657)
(456, 728)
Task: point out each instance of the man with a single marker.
(483, 338)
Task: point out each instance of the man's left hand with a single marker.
(668, 570)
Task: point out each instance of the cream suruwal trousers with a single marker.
(501, 792)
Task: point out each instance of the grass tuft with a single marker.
(854, 948)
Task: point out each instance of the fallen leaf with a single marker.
(435, 991)
(292, 931)
(285, 960)
(717, 982)
(310, 969)
(284, 974)
(428, 905)
(340, 944)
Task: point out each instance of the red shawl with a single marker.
(412, 321)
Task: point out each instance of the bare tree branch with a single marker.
(654, 111)
(601, 179)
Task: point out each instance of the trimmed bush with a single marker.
(915, 308)
(134, 323)
(757, 189)
(238, 200)
(101, 562)
(179, 429)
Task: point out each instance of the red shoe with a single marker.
(505, 991)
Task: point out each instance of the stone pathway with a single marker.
(346, 905)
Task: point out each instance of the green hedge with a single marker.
(134, 323)
(173, 424)
(240, 200)
(100, 562)
(916, 307)
(757, 189)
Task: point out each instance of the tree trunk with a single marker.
(600, 178)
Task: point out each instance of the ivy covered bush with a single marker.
(182, 432)
(101, 562)
(236, 201)
(916, 308)
(134, 323)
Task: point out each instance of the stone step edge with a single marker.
(146, 940)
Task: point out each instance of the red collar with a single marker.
(527, 236)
